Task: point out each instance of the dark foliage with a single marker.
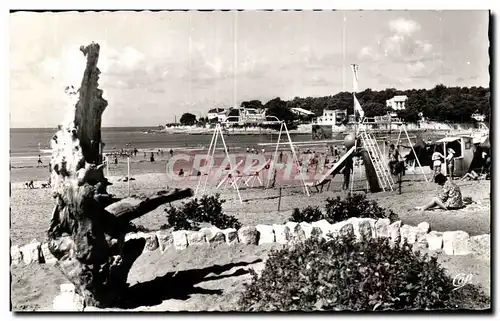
(207, 209)
(138, 228)
(355, 205)
(344, 274)
(441, 103)
(188, 119)
(338, 209)
(308, 214)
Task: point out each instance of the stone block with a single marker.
(231, 236)
(48, 258)
(16, 255)
(68, 300)
(434, 241)
(281, 233)
(180, 239)
(213, 235)
(165, 240)
(325, 227)
(31, 252)
(306, 228)
(382, 227)
(394, 230)
(149, 237)
(456, 243)
(248, 235)
(424, 227)
(196, 238)
(366, 230)
(266, 234)
(480, 244)
(347, 230)
(297, 234)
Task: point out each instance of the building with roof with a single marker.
(397, 102)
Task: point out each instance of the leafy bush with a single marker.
(308, 214)
(208, 209)
(343, 274)
(338, 210)
(356, 205)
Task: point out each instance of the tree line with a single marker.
(441, 103)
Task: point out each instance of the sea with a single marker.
(31, 142)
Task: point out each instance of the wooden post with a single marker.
(279, 200)
(128, 174)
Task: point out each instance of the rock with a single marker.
(281, 233)
(48, 258)
(327, 231)
(347, 230)
(68, 299)
(316, 233)
(424, 227)
(434, 241)
(404, 232)
(180, 239)
(354, 221)
(306, 228)
(16, 255)
(480, 244)
(258, 268)
(196, 238)
(213, 235)
(231, 236)
(394, 230)
(31, 252)
(266, 234)
(297, 234)
(291, 225)
(382, 227)
(456, 243)
(150, 237)
(248, 235)
(365, 230)
(165, 240)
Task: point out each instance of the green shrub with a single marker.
(308, 214)
(356, 205)
(343, 274)
(208, 209)
(338, 210)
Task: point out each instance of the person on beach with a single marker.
(181, 172)
(248, 149)
(394, 158)
(436, 163)
(449, 196)
(39, 160)
(145, 155)
(152, 157)
(450, 162)
(348, 169)
(116, 160)
(171, 152)
(280, 157)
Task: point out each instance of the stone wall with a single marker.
(449, 242)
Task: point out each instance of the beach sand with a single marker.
(34, 286)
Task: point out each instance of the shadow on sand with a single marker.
(178, 285)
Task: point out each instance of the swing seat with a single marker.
(319, 186)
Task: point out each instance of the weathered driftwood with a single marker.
(88, 226)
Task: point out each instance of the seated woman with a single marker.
(449, 196)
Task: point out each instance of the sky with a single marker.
(157, 65)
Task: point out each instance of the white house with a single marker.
(397, 102)
(301, 111)
(478, 117)
(332, 117)
(215, 113)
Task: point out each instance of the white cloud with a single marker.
(415, 68)
(403, 26)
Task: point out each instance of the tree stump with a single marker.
(88, 226)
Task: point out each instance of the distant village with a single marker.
(334, 120)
